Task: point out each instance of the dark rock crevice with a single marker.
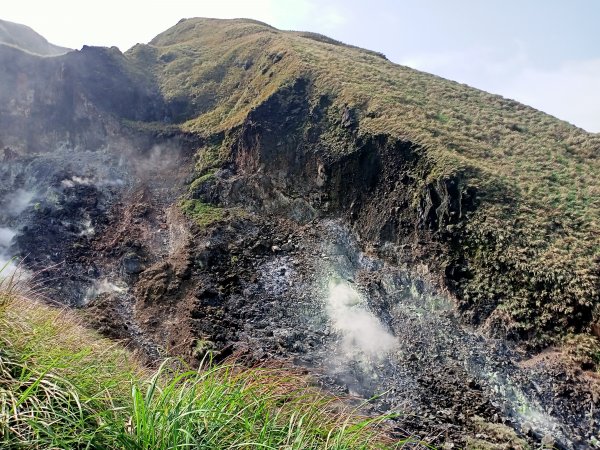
(283, 162)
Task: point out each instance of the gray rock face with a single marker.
(349, 119)
(132, 264)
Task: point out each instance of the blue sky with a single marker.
(545, 53)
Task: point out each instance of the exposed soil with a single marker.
(261, 287)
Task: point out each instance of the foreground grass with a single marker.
(62, 386)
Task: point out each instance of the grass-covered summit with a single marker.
(504, 199)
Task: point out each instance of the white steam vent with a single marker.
(361, 332)
(6, 236)
(19, 201)
(104, 286)
(8, 268)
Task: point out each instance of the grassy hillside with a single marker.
(64, 387)
(528, 255)
(24, 38)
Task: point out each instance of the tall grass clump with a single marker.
(61, 385)
(64, 387)
(232, 407)
(42, 410)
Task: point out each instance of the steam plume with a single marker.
(362, 334)
(19, 201)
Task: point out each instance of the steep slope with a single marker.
(233, 188)
(26, 39)
(508, 196)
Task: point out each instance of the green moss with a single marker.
(207, 160)
(194, 185)
(202, 213)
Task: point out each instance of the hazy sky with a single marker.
(545, 53)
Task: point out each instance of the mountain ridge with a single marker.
(528, 160)
(26, 39)
(531, 176)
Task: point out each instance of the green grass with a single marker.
(63, 387)
(201, 213)
(198, 182)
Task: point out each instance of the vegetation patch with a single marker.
(202, 213)
(210, 157)
(584, 350)
(201, 180)
(157, 129)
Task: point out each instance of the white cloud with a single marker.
(476, 63)
(330, 18)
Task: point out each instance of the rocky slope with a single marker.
(232, 188)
